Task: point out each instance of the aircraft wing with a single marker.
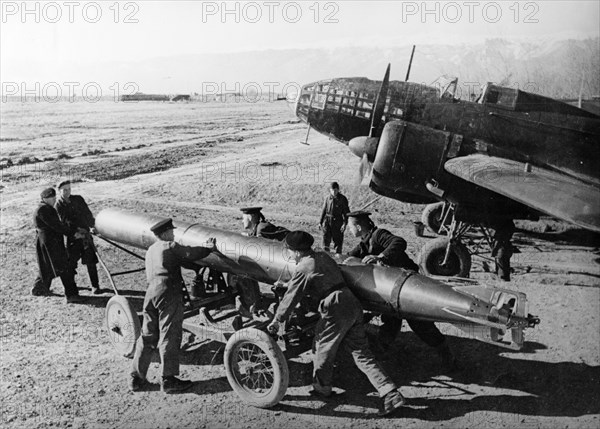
(551, 192)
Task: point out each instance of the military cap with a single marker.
(251, 210)
(334, 185)
(62, 182)
(48, 192)
(299, 240)
(162, 226)
(359, 214)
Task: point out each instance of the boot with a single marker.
(40, 291)
(74, 299)
(136, 383)
(173, 384)
(391, 402)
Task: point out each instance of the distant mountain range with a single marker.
(556, 68)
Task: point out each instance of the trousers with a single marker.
(79, 249)
(162, 328)
(341, 323)
(332, 231)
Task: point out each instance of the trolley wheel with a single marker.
(256, 368)
(432, 256)
(432, 218)
(123, 325)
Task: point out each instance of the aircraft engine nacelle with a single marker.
(408, 157)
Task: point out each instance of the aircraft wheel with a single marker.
(256, 368)
(432, 256)
(432, 218)
(123, 325)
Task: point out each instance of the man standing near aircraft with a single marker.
(162, 324)
(318, 278)
(75, 214)
(381, 246)
(333, 218)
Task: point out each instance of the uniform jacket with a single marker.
(163, 267)
(335, 209)
(50, 245)
(390, 246)
(315, 277)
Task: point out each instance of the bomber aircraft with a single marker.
(510, 154)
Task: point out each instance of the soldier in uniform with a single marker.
(249, 302)
(75, 214)
(333, 218)
(381, 246)
(50, 249)
(162, 324)
(318, 279)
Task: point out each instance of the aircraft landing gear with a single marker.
(437, 217)
(442, 257)
(452, 255)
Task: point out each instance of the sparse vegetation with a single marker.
(93, 152)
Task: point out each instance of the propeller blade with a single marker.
(380, 102)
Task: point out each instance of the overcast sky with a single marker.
(49, 37)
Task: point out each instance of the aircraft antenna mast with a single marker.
(410, 63)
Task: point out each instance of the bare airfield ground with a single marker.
(201, 162)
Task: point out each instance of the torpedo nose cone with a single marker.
(361, 146)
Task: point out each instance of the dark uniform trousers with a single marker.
(82, 249)
(162, 325)
(342, 322)
(502, 249)
(332, 231)
(163, 318)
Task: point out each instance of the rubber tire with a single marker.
(120, 314)
(431, 218)
(433, 252)
(281, 376)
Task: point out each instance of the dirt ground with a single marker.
(201, 162)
